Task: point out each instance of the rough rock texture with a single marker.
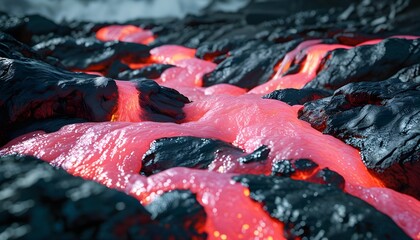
(160, 104)
(152, 71)
(11, 48)
(40, 202)
(39, 95)
(293, 96)
(37, 91)
(253, 65)
(366, 63)
(193, 152)
(314, 211)
(382, 119)
(180, 207)
(89, 54)
(33, 29)
(307, 170)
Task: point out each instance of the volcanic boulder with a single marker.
(381, 119)
(193, 152)
(89, 54)
(311, 210)
(366, 63)
(293, 96)
(41, 202)
(38, 91)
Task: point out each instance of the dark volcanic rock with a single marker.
(151, 72)
(160, 104)
(33, 90)
(293, 96)
(249, 66)
(33, 29)
(11, 48)
(40, 202)
(181, 207)
(259, 154)
(288, 168)
(381, 119)
(193, 152)
(307, 170)
(366, 63)
(39, 96)
(314, 211)
(89, 54)
(328, 177)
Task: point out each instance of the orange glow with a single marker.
(314, 54)
(171, 54)
(128, 103)
(128, 33)
(245, 227)
(246, 192)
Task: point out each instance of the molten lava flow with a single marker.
(111, 152)
(128, 108)
(171, 54)
(224, 201)
(126, 33)
(312, 54)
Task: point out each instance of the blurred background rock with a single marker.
(116, 10)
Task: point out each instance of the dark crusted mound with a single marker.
(293, 96)
(366, 63)
(315, 211)
(308, 170)
(90, 54)
(152, 71)
(39, 96)
(249, 65)
(40, 202)
(382, 119)
(37, 91)
(193, 152)
(160, 104)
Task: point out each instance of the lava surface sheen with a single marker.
(111, 152)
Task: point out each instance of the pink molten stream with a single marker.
(127, 33)
(314, 55)
(111, 153)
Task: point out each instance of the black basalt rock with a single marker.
(181, 207)
(151, 72)
(11, 48)
(293, 96)
(328, 177)
(89, 54)
(259, 154)
(41, 202)
(33, 90)
(249, 66)
(381, 119)
(160, 104)
(33, 29)
(288, 168)
(314, 211)
(366, 63)
(193, 152)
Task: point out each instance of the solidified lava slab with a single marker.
(256, 124)
(305, 217)
(364, 115)
(40, 202)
